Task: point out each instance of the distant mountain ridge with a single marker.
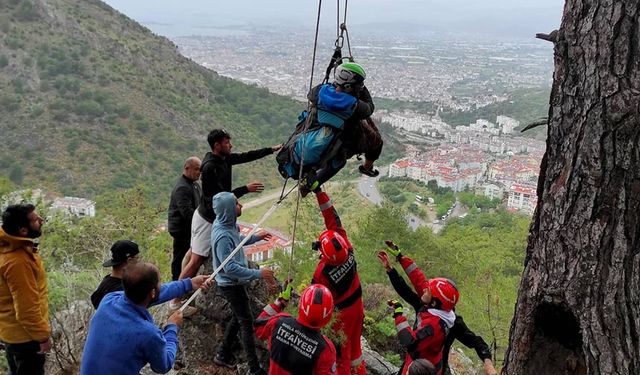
(93, 101)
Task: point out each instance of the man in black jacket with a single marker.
(216, 177)
(185, 197)
(123, 252)
(459, 331)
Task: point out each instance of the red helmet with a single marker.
(333, 247)
(445, 291)
(316, 306)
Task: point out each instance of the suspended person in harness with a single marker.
(337, 127)
(435, 316)
(459, 331)
(337, 271)
(296, 345)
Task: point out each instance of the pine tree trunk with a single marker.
(578, 308)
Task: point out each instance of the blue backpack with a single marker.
(319, 142)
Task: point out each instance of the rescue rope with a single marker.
(306, 126)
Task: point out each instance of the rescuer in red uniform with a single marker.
(434, 319)
(296, 345)
(337, 271)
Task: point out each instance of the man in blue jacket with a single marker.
(233, 278)
(123, 337)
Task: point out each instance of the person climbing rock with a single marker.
(338, 272)
(296, 345)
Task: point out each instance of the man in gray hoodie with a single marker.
(233, 279)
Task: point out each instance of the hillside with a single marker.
(92, 102)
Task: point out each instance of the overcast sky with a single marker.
(520, 18)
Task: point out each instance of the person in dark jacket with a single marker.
(459, 331)
(123, 252)
(349, 99)
(215, 176)
(185, 198)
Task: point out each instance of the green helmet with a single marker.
(349, 73)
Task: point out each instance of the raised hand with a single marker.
(393, 249)
(255, 187)
(384, 259)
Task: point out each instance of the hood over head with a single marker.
(224, 206)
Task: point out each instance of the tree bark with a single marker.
(578, 308)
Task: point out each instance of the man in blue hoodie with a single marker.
(233, 278)
(123, 337)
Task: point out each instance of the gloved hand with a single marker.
(285, 295)
(397, 307)
(393, 249)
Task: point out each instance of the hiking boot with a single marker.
(368, 172)
(228, 361)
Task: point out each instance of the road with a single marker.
(261, 200)
(368, 189)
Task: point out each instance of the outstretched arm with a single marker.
(330, 215)
(250, 156)
(469, 339)
(415, 274)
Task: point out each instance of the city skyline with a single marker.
(502, 18)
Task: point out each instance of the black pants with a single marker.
(242, 321)
(180, 247)
(24, 359)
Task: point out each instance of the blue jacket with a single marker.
(225, 236)
(123, 337)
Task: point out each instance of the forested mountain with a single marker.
(92, 101)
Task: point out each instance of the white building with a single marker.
(79, 207)
(398, 169)
(491, 191)
(507, 124)
(522, 198)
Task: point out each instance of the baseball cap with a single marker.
(120, 251)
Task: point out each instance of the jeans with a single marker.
(180, 247)
(24, 359)
(242, 321)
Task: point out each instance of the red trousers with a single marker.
(350, 321)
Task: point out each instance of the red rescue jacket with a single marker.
(293, 347)
(426, 339)
(342, 280)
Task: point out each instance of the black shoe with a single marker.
(225, 360)
(304, 191)
(368, 172)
